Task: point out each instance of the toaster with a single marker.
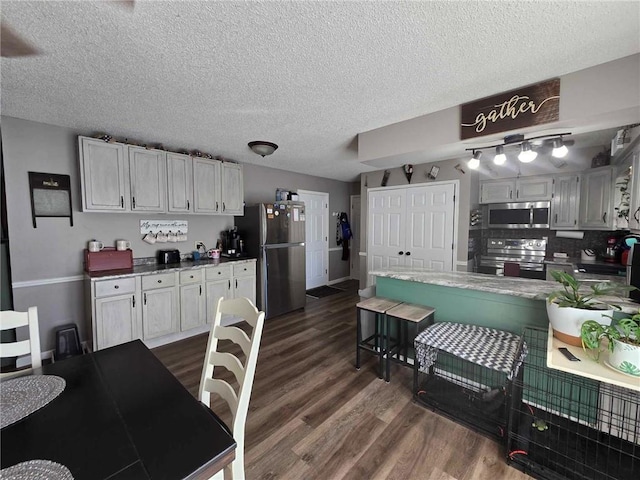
(170, 255)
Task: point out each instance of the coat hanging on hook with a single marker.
(343, 234)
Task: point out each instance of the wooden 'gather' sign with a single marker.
(533, 105)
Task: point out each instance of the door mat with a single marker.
(323, 291)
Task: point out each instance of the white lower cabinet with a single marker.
(172, 305)
(160, 309)
(115, 312)
(192, 300)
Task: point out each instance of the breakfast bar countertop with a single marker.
(514, 286)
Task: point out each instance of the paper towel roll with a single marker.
(568, 234)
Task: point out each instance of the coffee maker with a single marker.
(232, 244)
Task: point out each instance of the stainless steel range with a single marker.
(528, 254)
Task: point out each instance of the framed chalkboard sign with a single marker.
(50, 196)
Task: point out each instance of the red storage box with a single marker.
(108, 259)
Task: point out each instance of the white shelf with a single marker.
(586, 367)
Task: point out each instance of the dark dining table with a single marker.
(122, 415)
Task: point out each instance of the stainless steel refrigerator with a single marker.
(274, 233)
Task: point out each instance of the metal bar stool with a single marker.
(406, 314)
(378, 342)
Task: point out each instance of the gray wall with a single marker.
(260, 185)
(47, 262)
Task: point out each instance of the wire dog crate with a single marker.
(464, 372)
(566, 426)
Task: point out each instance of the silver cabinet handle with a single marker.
(133, 202)
(188, 205)
(145, 298)
(134, 301)
(224, 207)
(121, 201)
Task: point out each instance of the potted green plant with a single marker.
(573, 305)
(622, 341)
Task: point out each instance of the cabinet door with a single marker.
(534, 189)
(115, 320)
(103, 176)
(147, 172)
(245, 287)
(192, 306)
(596, 202)
(159, 312)
(206, 186)
(497, 191)
(634, 189)
(565, 202)
(232, 189)
(216, 290)
(179, 183)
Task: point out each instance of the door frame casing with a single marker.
(354, 254)
(325, 253)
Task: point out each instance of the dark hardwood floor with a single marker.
(314, 416)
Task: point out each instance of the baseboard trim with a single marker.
(338, 280)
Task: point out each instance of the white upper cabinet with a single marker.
(532, 189)
(207, 196)
(498, 191)
(232, 189)
(127, 178)
(147, 172)
(565, 202)
(634, 189)
(596, 199)
(104, 175)
(526, 189)
(179, 183)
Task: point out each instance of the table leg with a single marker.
(358, 337)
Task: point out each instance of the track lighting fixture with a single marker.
(526, 154)
(474, 162)
(560, 150)
(500, 157)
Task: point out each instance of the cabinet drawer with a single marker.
(218, 272)
(120, 286)
(244, 269)
(191, 276)
(161, 280)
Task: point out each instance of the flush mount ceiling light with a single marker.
(526, 154)
(500, 157)
(263, 148)
(474, 162)
(560, 150)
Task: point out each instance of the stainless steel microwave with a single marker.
(517, 215)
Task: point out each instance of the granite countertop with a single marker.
(515, 286)
(158, 268)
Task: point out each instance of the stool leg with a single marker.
(382, 343)
(388, 349)
(358, 337)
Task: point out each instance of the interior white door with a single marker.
(429, 227)
(385, 239)
(354, 222)
(316, 237)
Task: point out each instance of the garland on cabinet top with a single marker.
(194, 153)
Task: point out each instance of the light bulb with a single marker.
(500, 157)
(474, 162)
(527, 155)
(560, 150)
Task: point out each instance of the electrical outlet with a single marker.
(197, 243)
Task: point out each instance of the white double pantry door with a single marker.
(412, 226)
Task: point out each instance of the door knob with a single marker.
(408, 253)
(400, 253)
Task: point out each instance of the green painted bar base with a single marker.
(503, 312)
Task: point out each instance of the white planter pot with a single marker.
(625, 358)
(567, 321)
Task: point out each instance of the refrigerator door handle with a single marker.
(283, 245)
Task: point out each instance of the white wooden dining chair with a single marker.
(10, 319)
(238, 401)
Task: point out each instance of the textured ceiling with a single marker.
(306, 75)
